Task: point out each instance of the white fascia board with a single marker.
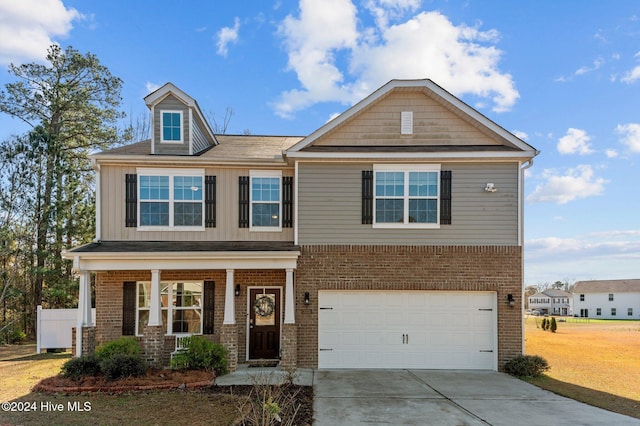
(129, 261)
(478, 155)
(182, 161)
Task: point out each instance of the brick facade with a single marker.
(457, 268)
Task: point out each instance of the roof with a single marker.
(230, 148)
(430, 89)
(183, 246)
(608, 286)
(552, 292)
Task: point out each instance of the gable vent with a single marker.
(406, 123)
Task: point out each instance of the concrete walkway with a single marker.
(435, 397)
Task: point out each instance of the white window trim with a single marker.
(406, 168)
(171, 173)
(169, 309)
(265, 174)
(162, 139)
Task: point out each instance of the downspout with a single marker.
(523, 167)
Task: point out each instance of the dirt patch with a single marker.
(153, 379)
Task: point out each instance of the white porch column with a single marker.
(84, 309)
(155, 310)
(229, 300)
(289, 299)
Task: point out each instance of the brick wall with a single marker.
(458, 268)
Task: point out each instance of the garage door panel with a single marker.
(406, 329)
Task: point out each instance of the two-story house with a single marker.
(390, 237)
(607, 299)
(552, 301)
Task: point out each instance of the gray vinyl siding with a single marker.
(112, 190)
(171, 103)
(330, 197)
(200, 142)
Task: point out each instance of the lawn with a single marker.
(21, 369)
(594, 361)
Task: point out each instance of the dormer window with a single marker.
(171, 124)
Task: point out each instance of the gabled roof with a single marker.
(512, 146)
(159, 94)
(552, 292)
(608, 286)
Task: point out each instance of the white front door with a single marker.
(407, 329)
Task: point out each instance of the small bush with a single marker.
(201, 354)
(16, 336)
(553, 326)
(85, 365)
(526, 366)
(544, 323)
(123, 345)
(122, 365)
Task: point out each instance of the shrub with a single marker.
(85, 365)
(553, 326)
(526, 366)
(201, 354)
(17, 336)
(544, 323)
(123, 345)
(122, 365)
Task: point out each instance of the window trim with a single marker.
(170, 308)
(265, 174)
(406, 169)
(171, 173)
(171, 141)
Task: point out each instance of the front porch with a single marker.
(157, 295)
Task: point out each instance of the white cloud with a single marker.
(611, 153)
(631, 76)
(521, 135)
(27, 28)
(576, 183)
(151, 87)
(576, 141)
(460, 58)
(630, 135)
(596, 64)
(226, 36)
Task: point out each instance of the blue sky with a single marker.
(562, 75)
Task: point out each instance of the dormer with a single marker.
(179, 127)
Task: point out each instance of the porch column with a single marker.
(155, 310)
(84, 309)
(289, 299)
(229, 300)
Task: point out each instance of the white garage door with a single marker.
(407, 329)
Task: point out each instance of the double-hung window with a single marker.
(266, 200)
(171, 126)
(171, 199)
(406, 196)
(181, 305)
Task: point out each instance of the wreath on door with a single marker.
(264, 306)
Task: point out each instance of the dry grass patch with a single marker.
(595, 362)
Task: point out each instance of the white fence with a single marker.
(54, 327)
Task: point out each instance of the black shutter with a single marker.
(287, 201)
(367, 197)
(129, 308)
(243, 197)
(207, 307)
(210, 201)
(131, 201)
(445, 197)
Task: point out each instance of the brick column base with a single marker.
(289, 353)
(229, 339)
(152, 343)
(88, 341)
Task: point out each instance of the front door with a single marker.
(264, 323)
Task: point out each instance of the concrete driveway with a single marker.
(436, 397)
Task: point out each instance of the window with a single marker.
(406, 197)
(610, 297)
(598, 311)
(630, 312)
(582, 297)
(613, 312)
(181, 304)
(265, 200)
(171, 198)
(171, 126)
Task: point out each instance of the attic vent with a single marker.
(406, 123)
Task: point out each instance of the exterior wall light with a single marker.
(306, 298)
(511, 300)
(237, 290)
(491, 187)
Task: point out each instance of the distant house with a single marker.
(607, 299)
(553, 302)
